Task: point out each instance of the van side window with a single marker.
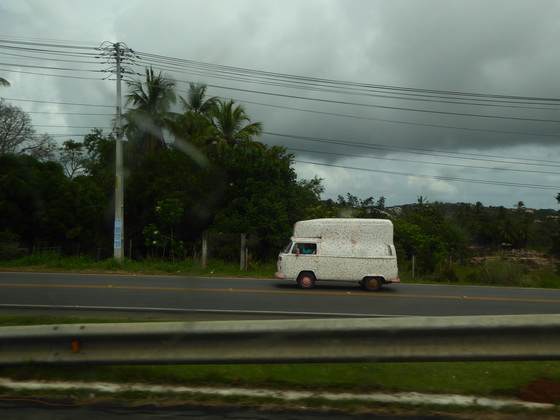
(307, 248)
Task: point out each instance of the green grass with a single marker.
(465, 378)
(215, 268)
(490, 273)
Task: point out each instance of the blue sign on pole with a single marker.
(118, 232)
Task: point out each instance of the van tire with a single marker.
(372, 284)
(306, 280)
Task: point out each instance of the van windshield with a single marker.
(288, 248)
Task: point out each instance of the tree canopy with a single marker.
(17, 135)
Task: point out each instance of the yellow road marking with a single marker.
(312, 292)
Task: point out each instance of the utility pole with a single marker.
(119, 172)
(118, 51)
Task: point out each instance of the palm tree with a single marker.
(4, 82)
(194, 123)
(520, 206)
(230, 128)
(195, 101)
(152, 100)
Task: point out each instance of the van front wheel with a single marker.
(373, 284)
(306, 280)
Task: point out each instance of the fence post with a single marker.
(243, 256)
(204, 249)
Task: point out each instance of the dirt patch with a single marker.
(542, 392)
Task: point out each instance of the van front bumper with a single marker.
(279, 276)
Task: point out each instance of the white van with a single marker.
(356, 250)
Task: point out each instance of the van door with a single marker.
(305, 257)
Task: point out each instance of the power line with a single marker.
(50, 68)
(308, 83)
(51, 75)
(311, 81)
(428, 163)
(444, 178)
(49, 50)
(430, 152)
(59, 103)
(337, 114)
(345, 143)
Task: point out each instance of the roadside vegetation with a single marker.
(490, 379)
(198, 167)
(187, 267)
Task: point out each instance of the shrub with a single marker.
(444, 273)
(501, 273)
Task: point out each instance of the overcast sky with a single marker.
(455, 101)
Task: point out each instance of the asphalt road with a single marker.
(234, 298)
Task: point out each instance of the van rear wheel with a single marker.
(306, 280)
(372, 284)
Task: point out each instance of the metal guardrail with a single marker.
(469, 338)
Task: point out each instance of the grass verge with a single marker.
(503, 379)
(84, 264)
(490, 273)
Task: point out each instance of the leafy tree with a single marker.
(17, 135)
(165, 175)
(91, 231)
(170, 213)
(352, 206)
(97, 179)
(491, 227)
(523, 222)
(245, 190)
(154, 240)
(99, 160)
(15, 128)
(72, 157)
(423, 232)
(481, 224)
(305, 201)
(261, 196)
(36, 200)
(555, 236)
(41, 147)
